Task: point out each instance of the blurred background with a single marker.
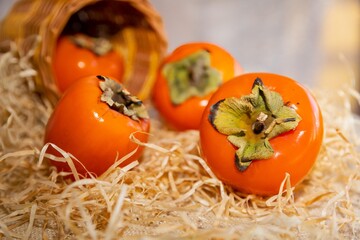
(315, 42)
(302, 39)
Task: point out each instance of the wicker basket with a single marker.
(133, 23)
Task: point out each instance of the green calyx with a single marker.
(251, 121)
(191, 76)
(99, 46)
(120, 100)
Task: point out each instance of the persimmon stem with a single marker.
(120, 100)
(191, 76)
(259, 125)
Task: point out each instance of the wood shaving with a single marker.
(170, 192)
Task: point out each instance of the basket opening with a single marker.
(105, 19)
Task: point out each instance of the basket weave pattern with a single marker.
(136, 26)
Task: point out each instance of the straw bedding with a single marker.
(170, 192)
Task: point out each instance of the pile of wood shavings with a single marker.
(170, 192)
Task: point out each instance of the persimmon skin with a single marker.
(91, 131)
(187, 116)
(71, 62)
(295, 151)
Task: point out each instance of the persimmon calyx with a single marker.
(251, 121)
(191, 76)
(99, 46)
(120, 100)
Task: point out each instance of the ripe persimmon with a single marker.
(78, 56)
(257, 128)
(186, 80)
(93, 121)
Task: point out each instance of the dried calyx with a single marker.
(191, 76)
(99, 46)
(251, 121)
(120, 100)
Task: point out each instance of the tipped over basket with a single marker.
(136, 26)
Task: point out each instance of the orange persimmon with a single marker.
(93, 121)
(186, 80)
(257, 128)
(78, 56)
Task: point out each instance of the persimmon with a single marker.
(258, 127)
(78, 56)
(93, 121)
(187, 78)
